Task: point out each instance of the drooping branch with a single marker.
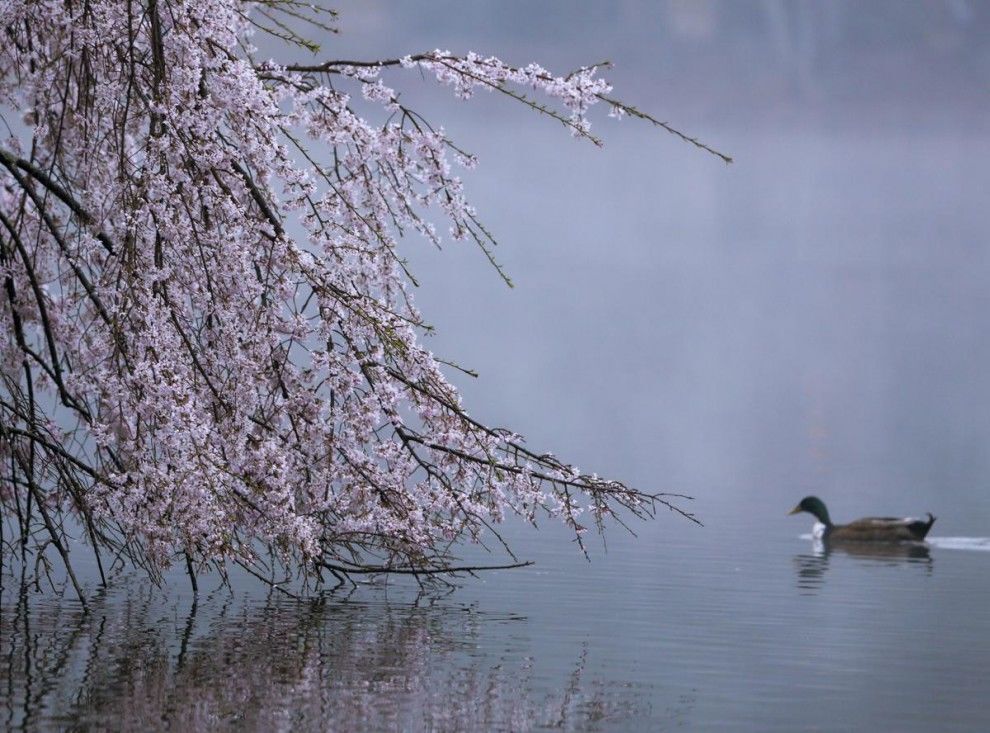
(12, 163)
(460, 65)
(202, 272)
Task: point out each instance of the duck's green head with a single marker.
(815, 506)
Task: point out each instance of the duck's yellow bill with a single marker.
(795, 510)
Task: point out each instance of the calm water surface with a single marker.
(720, 627)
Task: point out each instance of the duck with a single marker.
(868, 529)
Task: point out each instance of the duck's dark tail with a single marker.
(920, 527)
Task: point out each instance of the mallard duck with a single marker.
(869, 529)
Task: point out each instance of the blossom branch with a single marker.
(202, 273)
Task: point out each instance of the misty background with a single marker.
(810, 319)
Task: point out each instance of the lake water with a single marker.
(736, 625)
(811, 320)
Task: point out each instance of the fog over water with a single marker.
(812, 319)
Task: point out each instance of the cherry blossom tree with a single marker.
(210, 352)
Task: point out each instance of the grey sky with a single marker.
(811, 318)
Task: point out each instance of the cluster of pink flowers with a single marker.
(577, 92)
(209, 344)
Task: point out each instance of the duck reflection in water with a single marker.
(811, 567)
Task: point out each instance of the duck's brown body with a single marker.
(869, 529)
(881, 529)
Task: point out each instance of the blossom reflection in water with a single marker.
(279, 665)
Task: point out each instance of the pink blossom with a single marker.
(211, 343)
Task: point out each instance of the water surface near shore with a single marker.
(697, 627)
